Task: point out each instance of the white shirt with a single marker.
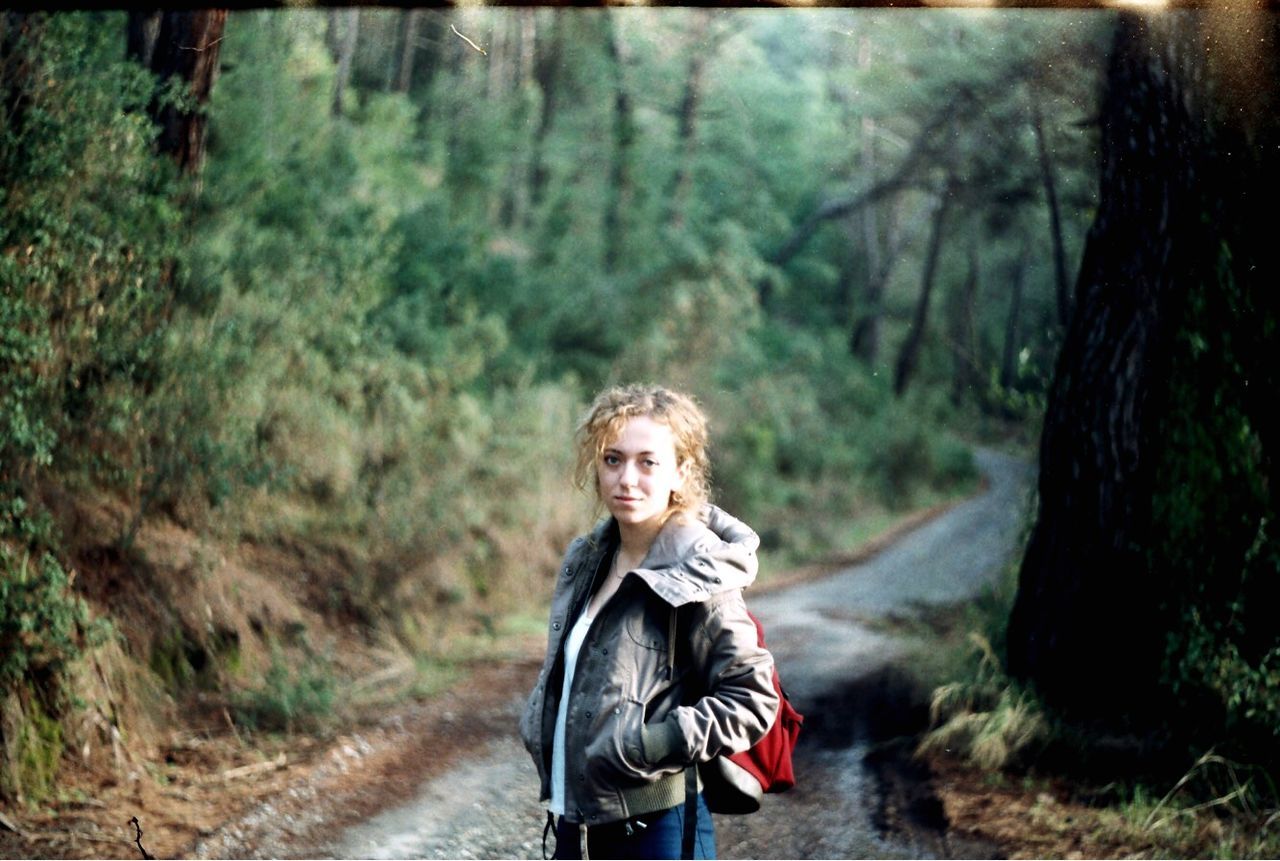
(571, 648)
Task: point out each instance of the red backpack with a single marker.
(735, 783)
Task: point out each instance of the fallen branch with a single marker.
(10, 825)
(255, 768)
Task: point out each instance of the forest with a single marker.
(299, 309)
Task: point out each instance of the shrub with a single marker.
(42, 622)
(987, 719)
(289, 698)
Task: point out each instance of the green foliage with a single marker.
(33, 744)
(368, 333)
(290, 698)
(1224, 650)
(43, 623)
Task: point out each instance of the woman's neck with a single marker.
(637, 538)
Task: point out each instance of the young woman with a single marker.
(652, 662)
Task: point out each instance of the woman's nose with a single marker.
(629, 473)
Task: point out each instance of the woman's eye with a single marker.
(611, 459)
(651, 463)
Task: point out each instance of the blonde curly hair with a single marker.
(613, 408)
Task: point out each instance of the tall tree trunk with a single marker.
(964, 348)
(687, 119)
(909, 355)
(408, 48)
(864, 330)
(515, 209)
(1013, 320)
(345, 46)
(1055, 217)
(187, 48)
(864, 337)
(499, 81)
(1092, 615)
(141, 31)
(546, 71)
(433, 36)
(621, 185)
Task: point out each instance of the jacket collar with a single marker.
(693, 559)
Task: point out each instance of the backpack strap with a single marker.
(671, 645)
(690, 835)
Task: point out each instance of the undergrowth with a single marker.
(1219, 808)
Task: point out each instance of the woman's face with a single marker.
(638, 471)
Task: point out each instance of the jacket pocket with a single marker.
(627, 744)
(649, 655)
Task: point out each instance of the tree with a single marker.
(621, 181)
(184, 52)
(1055, 212)
(344, 48)
(548, 54)
(909, 354)
(1146, 595)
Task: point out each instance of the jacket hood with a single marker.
(691, 560)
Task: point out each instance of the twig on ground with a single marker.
(234, 731)
(9, 824)
(255, 768)
(137, 827)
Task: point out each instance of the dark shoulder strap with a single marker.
(690, 835)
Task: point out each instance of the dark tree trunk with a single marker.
(687, 120)
(1093, 616)
(187, 48)
(1055, 216)
(432, 36)
(1012, 322)
(621, 185)
(966, 368)
(909, 355)
(345, 51)
(408, 49)
(546, 71)
(141, 31)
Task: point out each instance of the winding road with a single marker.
(834, 649)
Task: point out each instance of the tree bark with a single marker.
(1055, 216)
(621, 184)
(1089, 623)
(187, 48)
(909, 355)
(687, 119)
(346, 50)
(546, 71)
(141, 31)
(964, 349)
(1012, 320)
(408, 48)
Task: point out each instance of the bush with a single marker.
(42, 622)
(987, 719)
(289, 699)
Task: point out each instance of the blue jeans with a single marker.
(653, 835)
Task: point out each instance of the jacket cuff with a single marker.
(660, 742)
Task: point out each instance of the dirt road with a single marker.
(839, 661)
